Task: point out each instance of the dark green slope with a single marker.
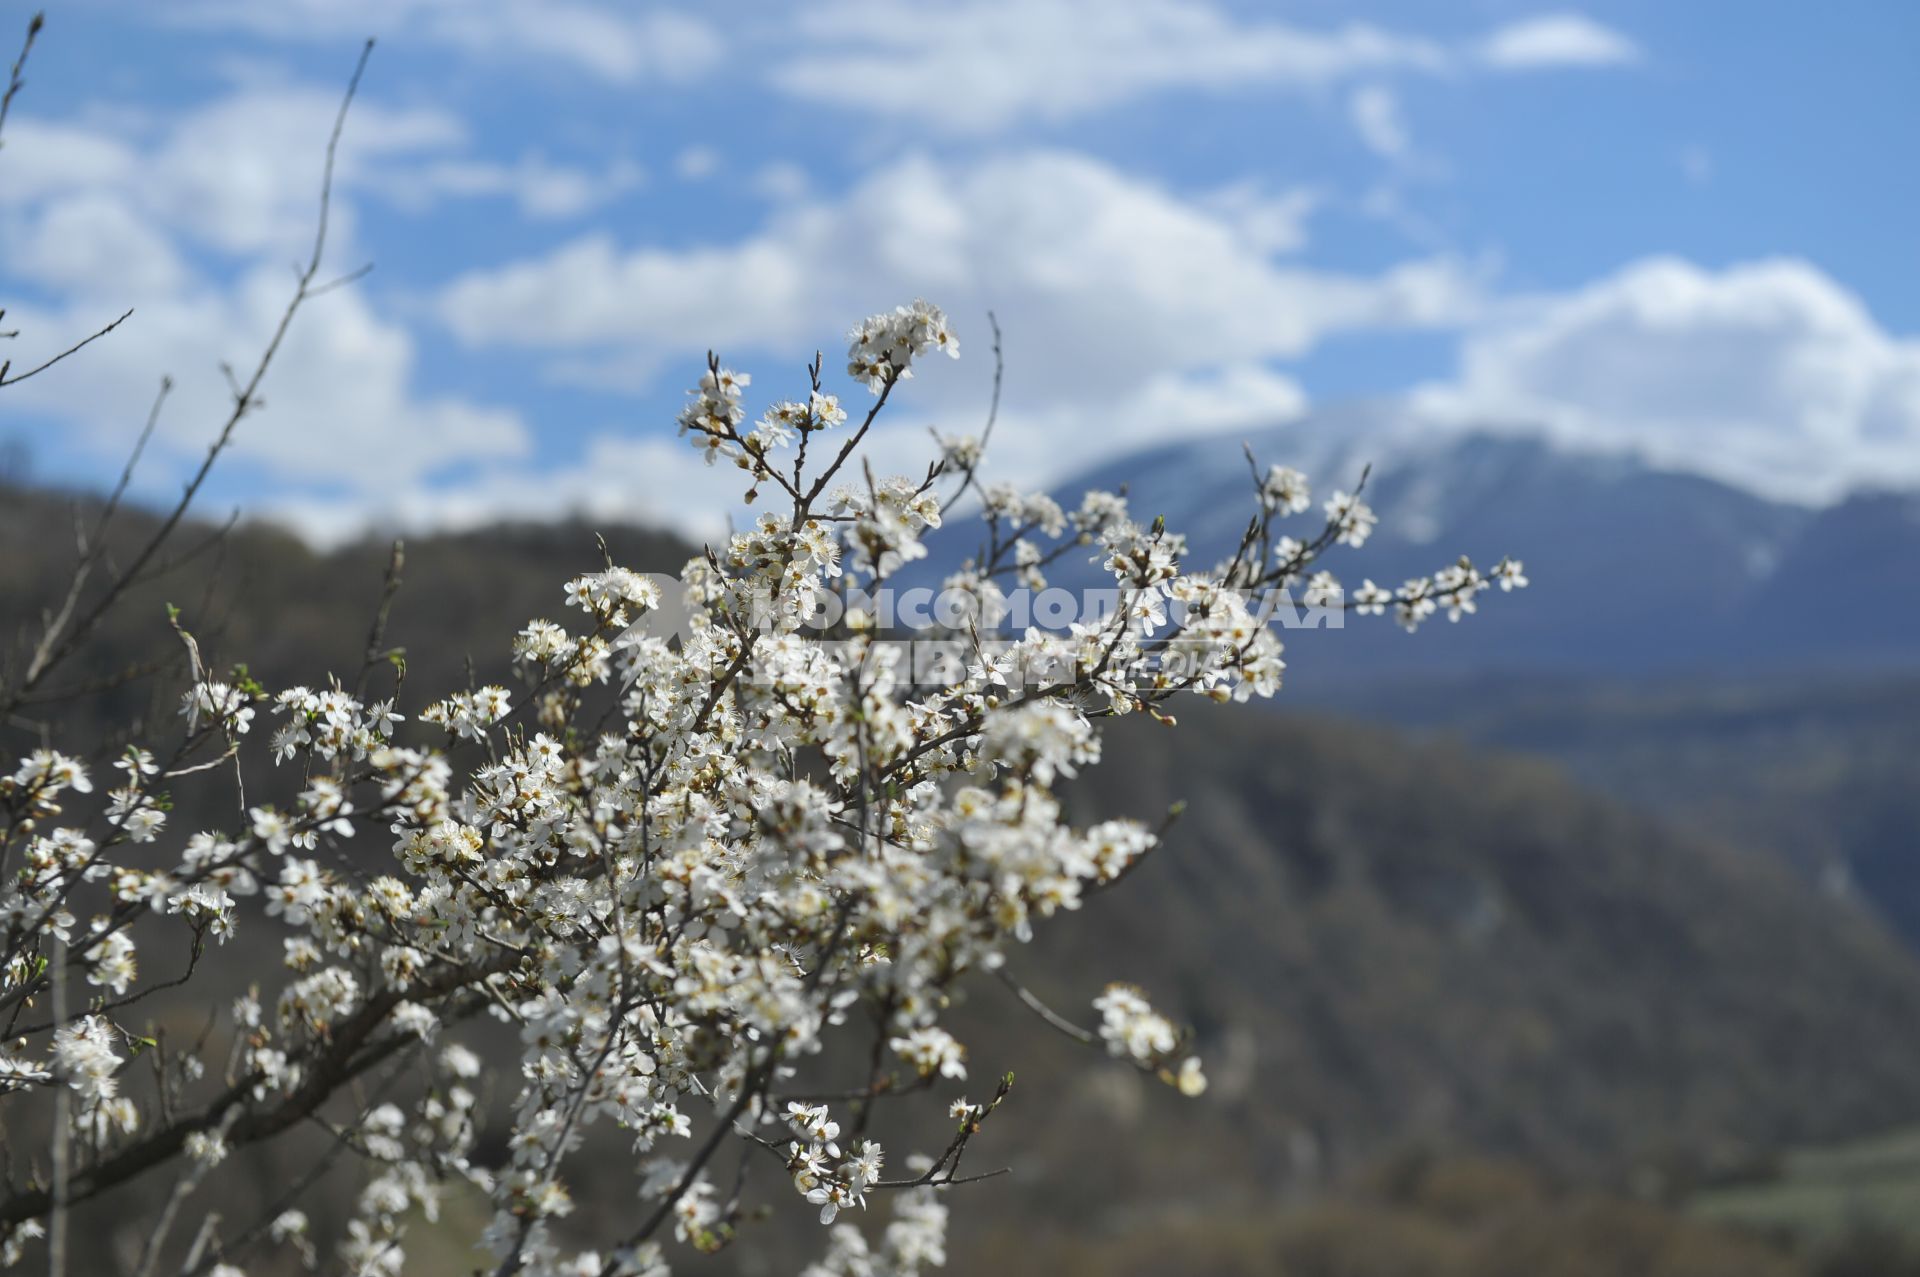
(1385, 943)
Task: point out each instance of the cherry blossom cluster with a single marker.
(691, 871)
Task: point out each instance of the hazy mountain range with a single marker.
(1636, 571)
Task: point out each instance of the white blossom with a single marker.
(683, 870)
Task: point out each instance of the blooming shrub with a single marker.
(764, 839)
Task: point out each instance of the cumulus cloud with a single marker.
(1375, 112)
(1768, 375)
(696, 163)
(615, 43)
(540, 188)
(238, 174)
(782, 181)
(1060, 441)
(967, 67)
(617, 478)
(1132, 315)
(1267, 221)
(622, 475)
(981, 66)
(1101, 278)
(93, 244)
(341, 403)
(192, 221)
(1556, 40)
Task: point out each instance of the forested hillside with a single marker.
(1386, 945)
(1823, 772)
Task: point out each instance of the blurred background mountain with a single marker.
(1595, 953)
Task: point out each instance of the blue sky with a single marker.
(1670, 228)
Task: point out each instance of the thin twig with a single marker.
(1053, 1019)
(182, 1189)
(377, 629)
(14, 82)
(93, 547)
(62, 1123)
(993, 416)
(77, 346)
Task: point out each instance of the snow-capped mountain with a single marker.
(1635, 570)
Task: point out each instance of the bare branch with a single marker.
(61, 1198)
(1053, 1019)
(967, 479)
(78, 346)
(14, 82)
(351, 277)
(377, 630)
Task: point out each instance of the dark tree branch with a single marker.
(14, 82)
(78, 346)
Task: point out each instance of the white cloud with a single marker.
(93, 245)
(615, 43)
(962, 67)
(1131, 315)
(1267, 221)
(1101, 279)
(623, 477)
(340, 403)
(981, 66)
(1051, 444)
(782, 182)
(1387, 202)
(697, 163)
(966, 67)
(1375, 112)
(192, 222)
(621, 46)
(1768, 375)
(239, 174)
(45, 157)
(242, 173)
(1557, 40)
(618, 478)
(539, 187)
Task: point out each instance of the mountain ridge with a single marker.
(1636, 570)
